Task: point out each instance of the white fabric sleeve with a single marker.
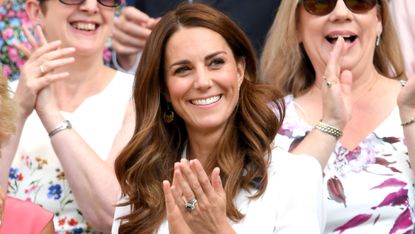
(300, 198)
(132, 69)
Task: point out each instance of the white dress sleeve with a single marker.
(299, 195)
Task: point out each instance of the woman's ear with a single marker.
(34, 11)
(240, 69)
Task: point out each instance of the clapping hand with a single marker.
(406, 100)
(39, 70)
(130, 33)
(195, 203)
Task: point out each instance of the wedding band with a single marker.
(42, 70)
(191, 205)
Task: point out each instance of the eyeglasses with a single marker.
(324, 7)
(107, 3)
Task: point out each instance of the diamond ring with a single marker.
(190, 205)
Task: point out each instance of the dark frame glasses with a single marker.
(324, 7)
(107, 3)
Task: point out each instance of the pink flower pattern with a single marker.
(370, 187)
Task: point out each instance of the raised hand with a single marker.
(336, 89)
(38, 72)
(130, 33)
(200, 200)
(406, 98)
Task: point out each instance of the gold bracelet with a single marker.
(331, 130)
(62, 126)
(411, 121)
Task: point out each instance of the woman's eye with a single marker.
(217, 62)
(181, 70)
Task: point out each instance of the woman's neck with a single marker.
(87, 77)
(201, 144)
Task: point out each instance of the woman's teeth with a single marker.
(206, 101)
(84, 26)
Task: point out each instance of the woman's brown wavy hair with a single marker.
(242, 151)
(285, 64)
(7, 111)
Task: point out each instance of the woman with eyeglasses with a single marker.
(70, 109)
(341, 69)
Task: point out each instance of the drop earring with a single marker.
(378, 40)
(168, 115)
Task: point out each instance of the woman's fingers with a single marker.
(22, 48)
(53, 64)
(168, 197)
(41, 36)
(183, 183)
(30, 38)
(203, 179)
(196, 177)
(333, 70)
(42, 82)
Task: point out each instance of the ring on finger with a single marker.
(191, 205)
(42, 69)
(329, 83)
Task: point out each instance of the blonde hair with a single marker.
(7, 111)
(285, 64)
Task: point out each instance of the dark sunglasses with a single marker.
(324, 7)
(107, 3)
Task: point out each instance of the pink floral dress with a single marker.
(369, 189)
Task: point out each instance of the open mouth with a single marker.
(88, 27)
(206, 101)
(347, 38)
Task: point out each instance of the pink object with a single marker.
(403, 13)
(23, 217)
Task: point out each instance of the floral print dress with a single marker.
(369, 189)
(36, 173)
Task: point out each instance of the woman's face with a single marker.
(319, 34)
(85, 27)
(202, 78)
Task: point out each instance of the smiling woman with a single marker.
(210, 167)
(12, 17)
(346, 105)
(60, 156)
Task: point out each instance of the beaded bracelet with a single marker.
(331, 130)
(62, 126)
(411, 121)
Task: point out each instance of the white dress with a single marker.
(369, 189)
(291, 204)
(36, 173)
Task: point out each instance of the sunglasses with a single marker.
(107, 3)
(324, 7)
